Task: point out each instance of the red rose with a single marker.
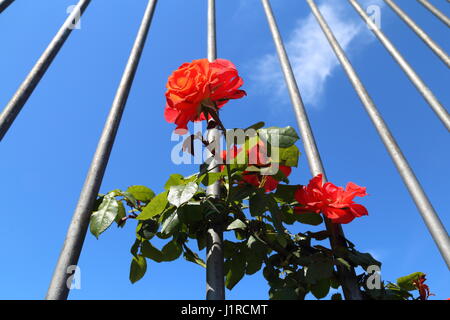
(257, 157)
(334, 202)
(200, 84)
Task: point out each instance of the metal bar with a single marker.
(5, 4)
(420, 32)
(421, 200)
(337, 239)
(27, 87)
(215, 280)
(436, 12)
(412, 75)
(76, 234)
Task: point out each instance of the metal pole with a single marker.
(27, 87)
(426, 209)
(215, 280)
(337, 239)
(73, 243)
(436, 12)
(412, 75)
(5, 4)
(420, 32)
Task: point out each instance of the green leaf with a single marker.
(320, 269)
(121, 213)
(336, 296)
(237, 224)
(362, 259)
(179, 195)
(258, 203)
(321, 288)
(190, 213)
(236, 271)
(155, 207)
(283, 294)
(104, 217)
(147, 229)
(406, 282)
(138, 268)
(254, 264)
(310, 218)
(174, 180)
(131, 200)
(212, 177)
(288, 156)
(149, 251)
(285, 193)
(191, 256)
(170, 224)
(256, 126)
(286, 136)
(171, 251)
(141, 193)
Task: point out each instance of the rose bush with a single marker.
(264, 216)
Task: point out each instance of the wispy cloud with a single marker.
(311, 56)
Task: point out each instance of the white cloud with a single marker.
(310, 54)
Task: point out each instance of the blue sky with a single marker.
(47, 152)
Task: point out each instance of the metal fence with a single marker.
(76, 233)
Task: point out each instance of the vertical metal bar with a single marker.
(215, 280)
(27, 87)
(426, 209)
(412, 75)
(420, 32)
(436, 12)
(76, 234)
(337, 239)
(5, 4)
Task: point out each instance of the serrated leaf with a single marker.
(103, 218)
(138, 268)
(179, 195)
(141, 193)
(155, 207)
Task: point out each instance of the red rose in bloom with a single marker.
(424, 290)
(200, 83)
(257, 157)
(334, 202)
